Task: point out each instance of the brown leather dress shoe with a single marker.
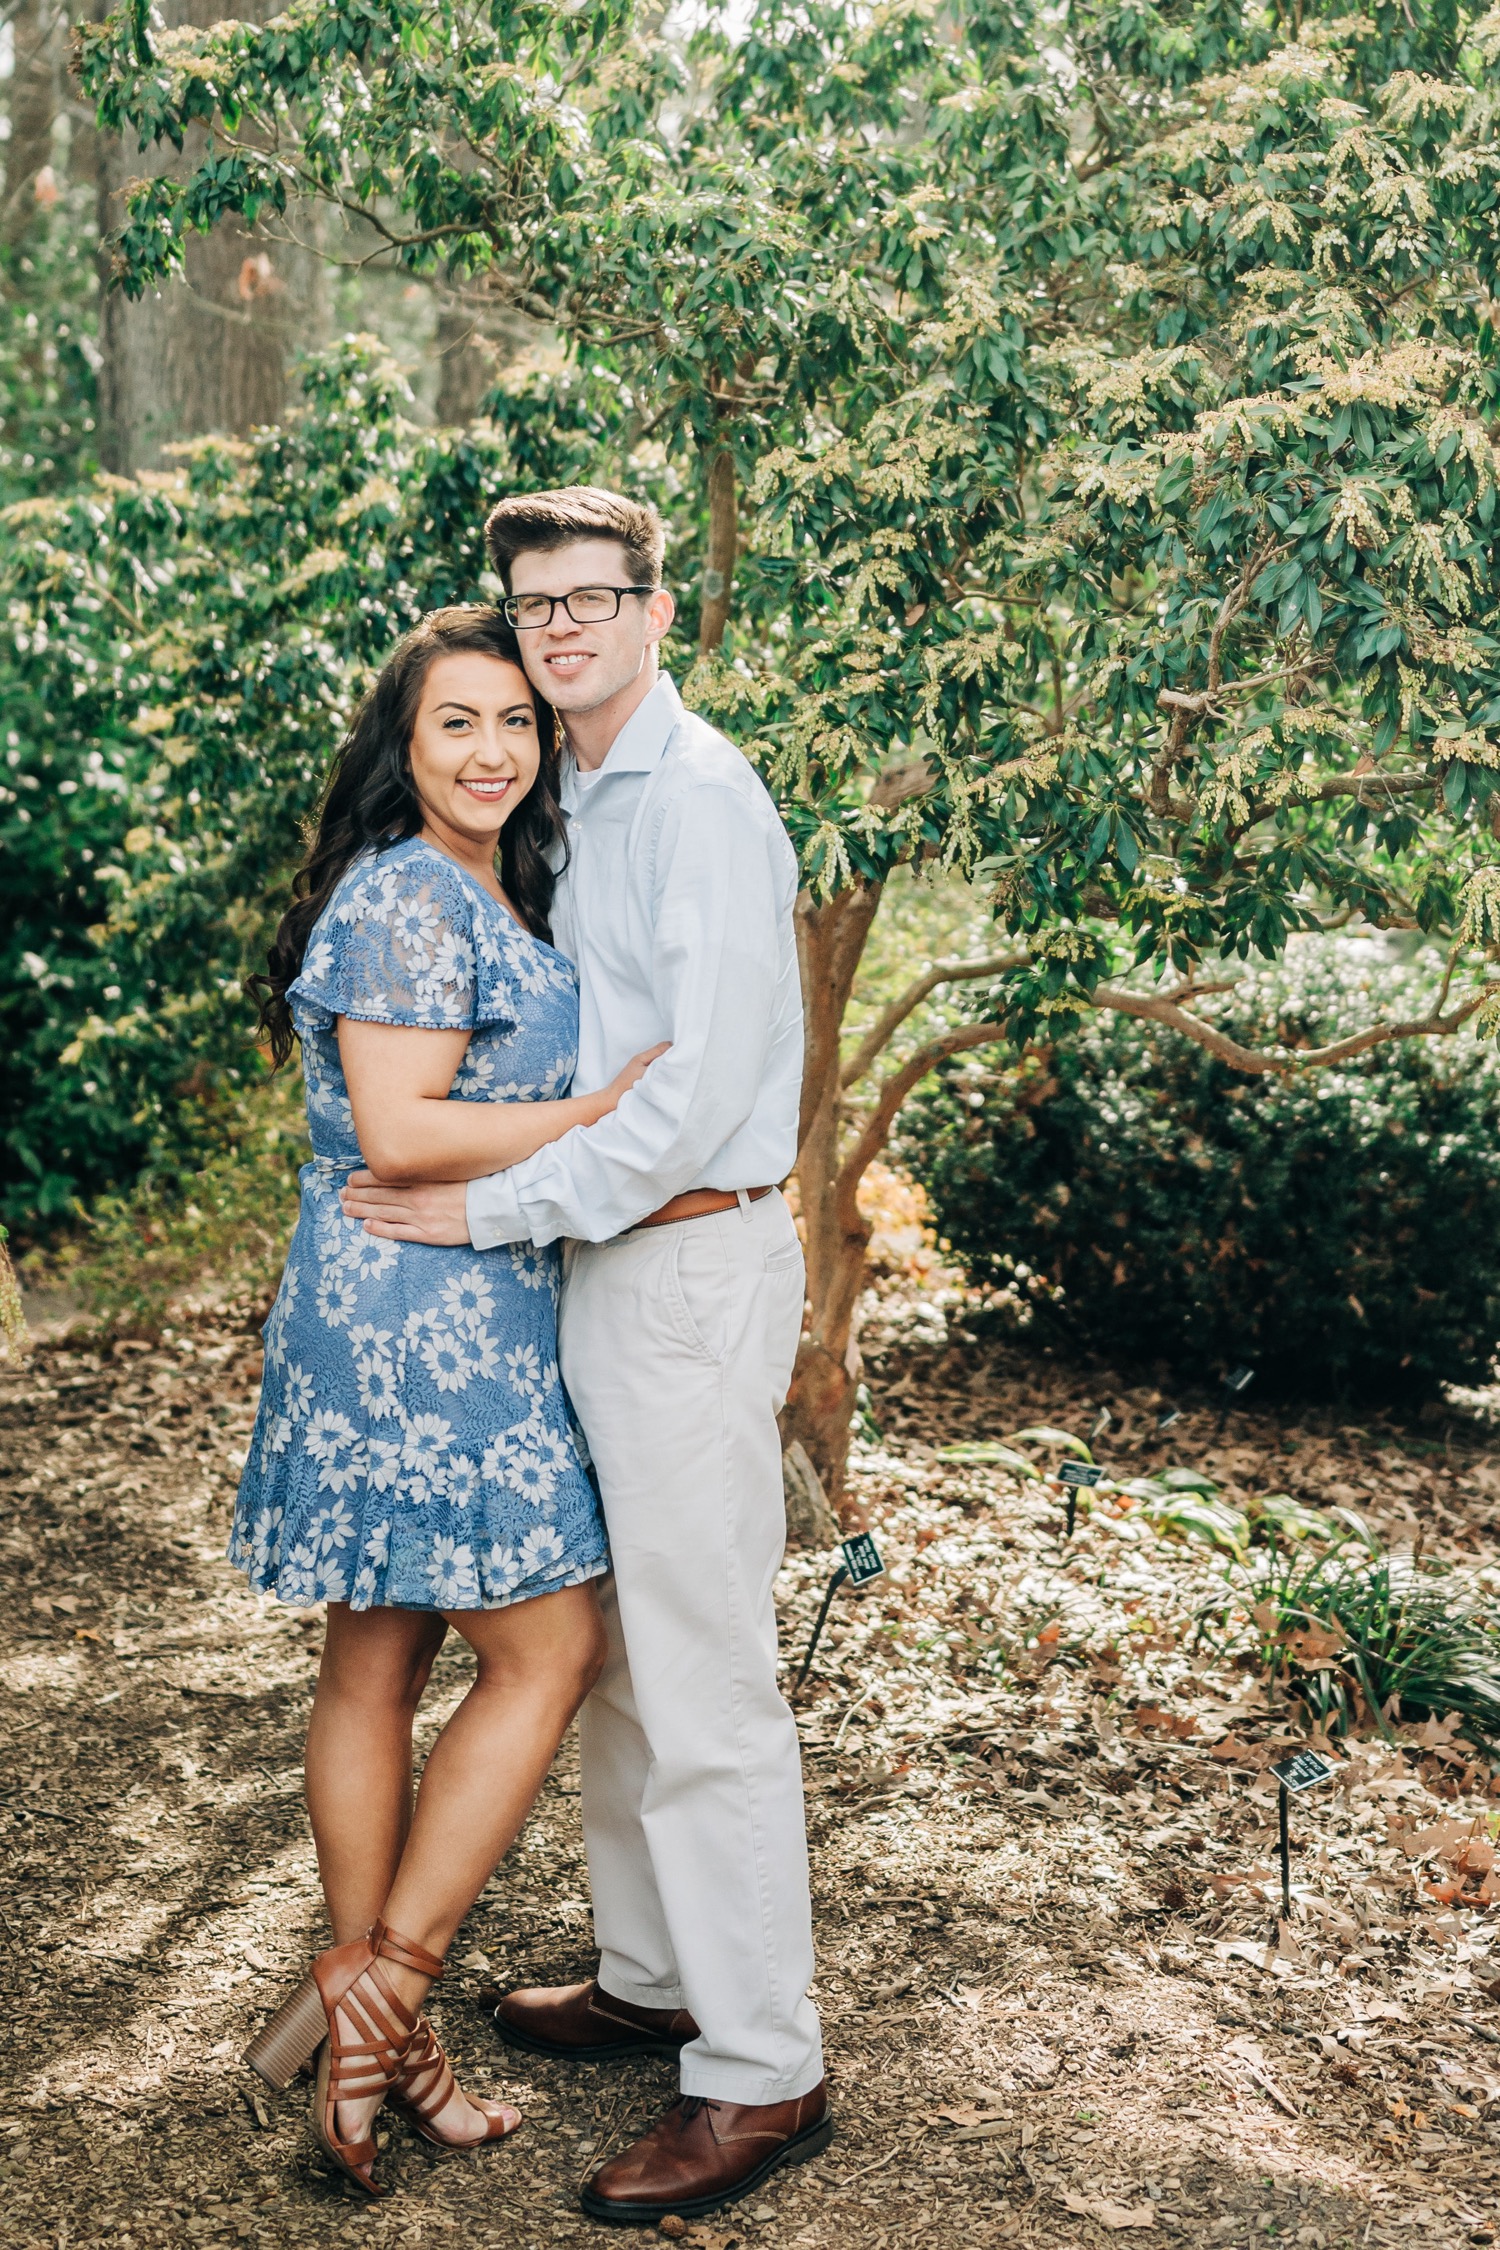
(704, 2154)
(579, 2023)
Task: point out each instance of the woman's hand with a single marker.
(631, 1075)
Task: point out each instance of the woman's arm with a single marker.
(399, 1077)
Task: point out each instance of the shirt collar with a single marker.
(638, 746)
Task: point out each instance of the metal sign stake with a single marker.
(1304, 1769)
(861, 1562)
(1074, 1476)
(1237, 1380)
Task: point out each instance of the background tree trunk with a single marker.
(212, 352)
(32, 107)
(467, 365)
(723, 547)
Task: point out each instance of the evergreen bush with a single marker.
(179, 657)
(1338, 1232)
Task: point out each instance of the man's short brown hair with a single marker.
(531, 523)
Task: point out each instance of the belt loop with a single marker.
(742, 1197)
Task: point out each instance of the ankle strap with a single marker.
(388, 1945)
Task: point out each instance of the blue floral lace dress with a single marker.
(414, 1446)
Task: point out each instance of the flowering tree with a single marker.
(1077, 438)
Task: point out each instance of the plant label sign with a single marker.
(1080, 1472)
(1239, 1379)
(862, 1559)
(1303, 1770)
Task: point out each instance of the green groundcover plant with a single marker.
(1340, 1233)
(1364, 1639)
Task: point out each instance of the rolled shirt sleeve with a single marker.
(717, 963)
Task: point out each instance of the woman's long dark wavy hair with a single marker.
(371, 803)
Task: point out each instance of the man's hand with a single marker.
(434, 1213)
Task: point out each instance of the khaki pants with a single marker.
(677, 1345)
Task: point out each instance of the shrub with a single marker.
(1338, 1231)
(180, 654)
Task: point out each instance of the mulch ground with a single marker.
(1043, 1838)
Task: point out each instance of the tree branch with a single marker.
(890, 1020)
(875, 1131)
(1366, 788)
(1260, 1062)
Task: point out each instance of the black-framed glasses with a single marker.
(586, 605)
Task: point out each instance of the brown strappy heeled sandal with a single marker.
(348, 1977)
(427, 2085)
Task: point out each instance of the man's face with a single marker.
(580, 667)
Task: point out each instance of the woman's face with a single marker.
(475, 749)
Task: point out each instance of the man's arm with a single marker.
(714, 966)
(715, 962)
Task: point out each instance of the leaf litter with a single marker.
(1060, 2001)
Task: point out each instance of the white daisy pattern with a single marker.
(542, 1552)
(532, 1267)
(449, 1365)
(468, 1300)
(414, 1444)
(451, 1573)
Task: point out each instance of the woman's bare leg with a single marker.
(359, 1781)
(537, 1661)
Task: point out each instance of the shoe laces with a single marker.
(690, 2104)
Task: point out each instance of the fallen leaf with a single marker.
(964, 2114)
(1471, 2081)
(1150, 1718)
(1243, 1949)
(1314, 1644)
(1231, 1751)
(1114, 2215)
(1438, 1838)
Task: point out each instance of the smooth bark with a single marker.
(32, 107)
(723, 548)
(831, 937)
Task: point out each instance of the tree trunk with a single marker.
(820, 1405)
(466, 367)
(33, 113)
(211, 352)
(723, 546)
(830, 944)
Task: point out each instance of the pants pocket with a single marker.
(695, 1288)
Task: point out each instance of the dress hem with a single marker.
(581, 1577)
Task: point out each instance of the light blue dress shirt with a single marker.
(677, 907)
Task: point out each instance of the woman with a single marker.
(414, 1462)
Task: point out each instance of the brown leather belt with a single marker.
(699, 1203)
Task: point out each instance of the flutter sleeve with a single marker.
(405, 940)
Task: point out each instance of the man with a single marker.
(681, 1309)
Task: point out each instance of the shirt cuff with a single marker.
(494, 1212)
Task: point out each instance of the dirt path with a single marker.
(1042, 1897)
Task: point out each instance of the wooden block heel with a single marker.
(293, 2035)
